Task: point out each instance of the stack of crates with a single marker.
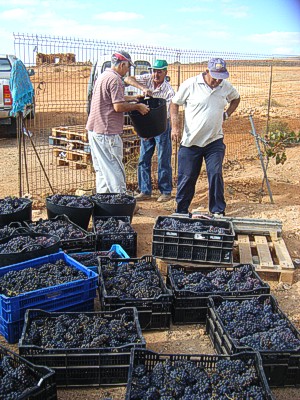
(77, 295)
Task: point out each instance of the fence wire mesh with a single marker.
(269, 89)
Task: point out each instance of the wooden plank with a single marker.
(265, 259)
(282, 254)
(244, 249)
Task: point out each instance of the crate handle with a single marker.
(54, 295)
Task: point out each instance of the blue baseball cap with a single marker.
(217, 68)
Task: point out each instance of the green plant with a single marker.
(276, 140)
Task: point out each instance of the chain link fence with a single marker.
(269, 89)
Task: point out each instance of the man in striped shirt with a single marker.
(105, 124)
(155, 85)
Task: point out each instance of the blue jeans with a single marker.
(190, 161)
(164, 168)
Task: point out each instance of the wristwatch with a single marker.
(226, 116)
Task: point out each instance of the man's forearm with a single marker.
(130, 80)
(233, 106)
(174, 114)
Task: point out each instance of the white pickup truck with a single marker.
(6, 101)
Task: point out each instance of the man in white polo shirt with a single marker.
(204, 98)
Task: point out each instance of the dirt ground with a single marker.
(245, 199)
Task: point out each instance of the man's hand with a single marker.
(147, 92)
(142, 108)
(175, 135)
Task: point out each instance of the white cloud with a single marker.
(285, 39)
(237, 12)
(14, 14)
(118, 16)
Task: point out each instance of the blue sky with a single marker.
(243, 26)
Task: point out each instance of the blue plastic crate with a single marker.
(115, 247)
(12, 331)
(12, 309)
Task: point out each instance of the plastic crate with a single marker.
(45, 388)
(114, 248)
(190, 307)
(85, 243)
(104, 241)
(194, 246)
(84, 366)
(12, 331)
(208, 362)
(13, 258)
(12, 309)
(154, 313)
(282, 368)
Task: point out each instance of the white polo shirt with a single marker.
(204, 108)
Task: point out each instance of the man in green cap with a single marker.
(155, 85)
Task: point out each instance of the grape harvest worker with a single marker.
(204, 98)
(105, 124)
(155, 85)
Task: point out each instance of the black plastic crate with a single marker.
(45, 388)
(191, 307)
(149, 359)
(282, 368)
(86, 241)
(127, 240)
(83, 366)
(154, 313)
(188, 245)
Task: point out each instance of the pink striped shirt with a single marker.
(109, 89)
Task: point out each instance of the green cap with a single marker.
(160, 64)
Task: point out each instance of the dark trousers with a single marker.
(190, 161)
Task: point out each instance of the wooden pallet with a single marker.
(78, 155)
(69, 144)
(268, 253)
(61, 162)
(75, 132)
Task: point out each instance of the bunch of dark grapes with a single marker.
(194, 226)
(254, 323)
(6, 231)
(91, 258)
(10, 205)
(184, 380)
(14, 283)
(15, 379)
(59, 227)
(137, 280)
(220, 280)
(112, 225)
(110, 198)
(81, 331)
(25, 244)
(71, 201)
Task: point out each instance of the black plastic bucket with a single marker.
(79, 215)
(25, 214)
(106, 209)
(155, 122)
(15, 258)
